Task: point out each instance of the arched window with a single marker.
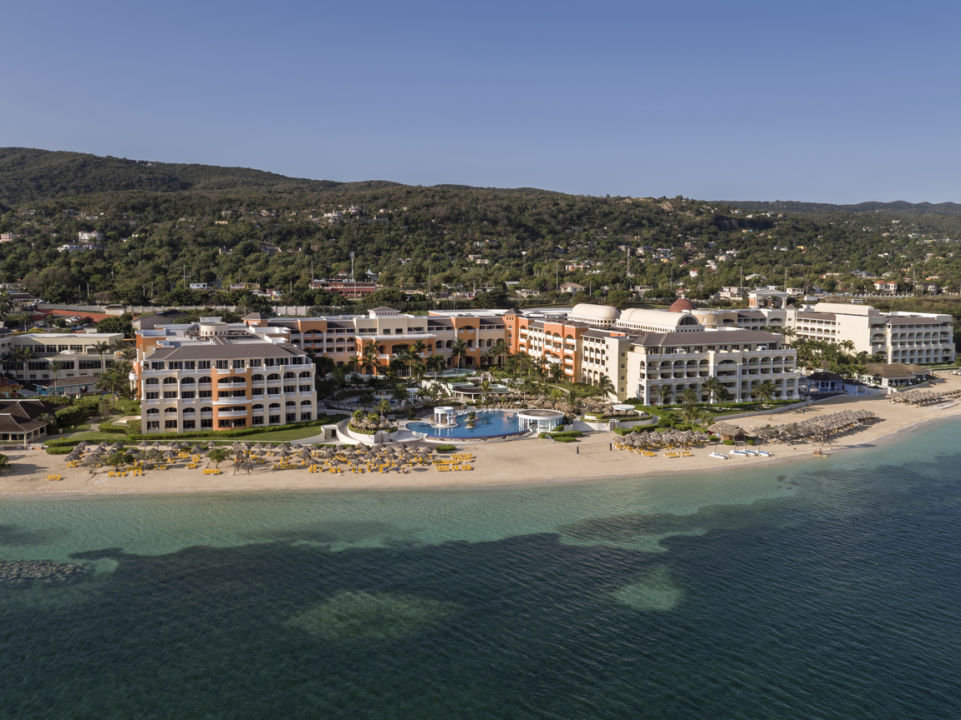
(170, 381)
(170, 411)
(187, 381)
(291, 403)
(273, 376)
(257, 378)
(153, 381)
(153, 411)
(204, 379)
(189, 411)
(305, 403)
(274, 405)
(289, 376)
(305, 374)
(258, 406)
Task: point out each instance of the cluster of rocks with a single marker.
(19, 571)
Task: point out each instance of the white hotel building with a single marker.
(215, 376)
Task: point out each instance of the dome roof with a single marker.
(598, 313)
(680, 305)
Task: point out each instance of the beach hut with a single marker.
(727, 431)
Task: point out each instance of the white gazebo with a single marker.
(540, 420)
(444, 416)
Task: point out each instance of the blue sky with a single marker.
(817, 101)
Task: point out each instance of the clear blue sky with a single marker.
(837, 101)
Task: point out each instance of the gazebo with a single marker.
(540, 420)
(444, 416)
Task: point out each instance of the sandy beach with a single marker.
(520, 462)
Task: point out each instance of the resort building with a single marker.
(643, 351)
(463, 339)
(59, 363)
(213, 375)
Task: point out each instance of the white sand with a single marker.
(518, 462)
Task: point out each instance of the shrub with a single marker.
(58, 449)
(445, 448)
(728, 442)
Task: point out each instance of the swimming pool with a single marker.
(488, 424)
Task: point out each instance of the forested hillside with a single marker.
(165, 224)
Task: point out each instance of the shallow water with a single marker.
(823, 590)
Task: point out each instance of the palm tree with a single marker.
(689, 396)
(713, 387)
(418, 348)
(604, 385)
(458, 352)
(436, 363)
(101, 349)
(664, 391)
(218, 455)
(497, 352)
(485, 387)
(765, 391)
(383, 407)
(368, 357)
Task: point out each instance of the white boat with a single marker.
(738, 452)
(718, 456)
(764, 453)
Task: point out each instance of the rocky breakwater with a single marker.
(13, 572)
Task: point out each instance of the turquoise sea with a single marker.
(827, 589)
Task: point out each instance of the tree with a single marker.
(604, 385)
(458, 352)
(436, 363)
(715, 390)
(217, 455)
(368, 357)
(116, 380)
(665, 392)
(689, 395)
(497, 352)
(100, 347)
(4, 462)
(383, 407)
(765, 391)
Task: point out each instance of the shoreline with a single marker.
(520, 463)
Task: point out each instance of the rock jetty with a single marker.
(19, 571)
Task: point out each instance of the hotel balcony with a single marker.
(228, 413)
(231, 401)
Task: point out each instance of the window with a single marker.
(187, 394)
(170, 381)
(170, 411)
(206, 422)
(238, 364)
(170, 394)
(221, 364)
(274, 419)
(153, 411)
(153, 425)
(175, 365)
(203, 365)
(190, 424)
(187, 381)
(291, 417)
(189, 364)
(289, 388)
(288, 376)
(151, 395)
(153, 381)
(203, 393)
(189, 411)
(170, 424)
(257, 378)
(257, 420)
(257, 391)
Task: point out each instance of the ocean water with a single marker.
(828, 589)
